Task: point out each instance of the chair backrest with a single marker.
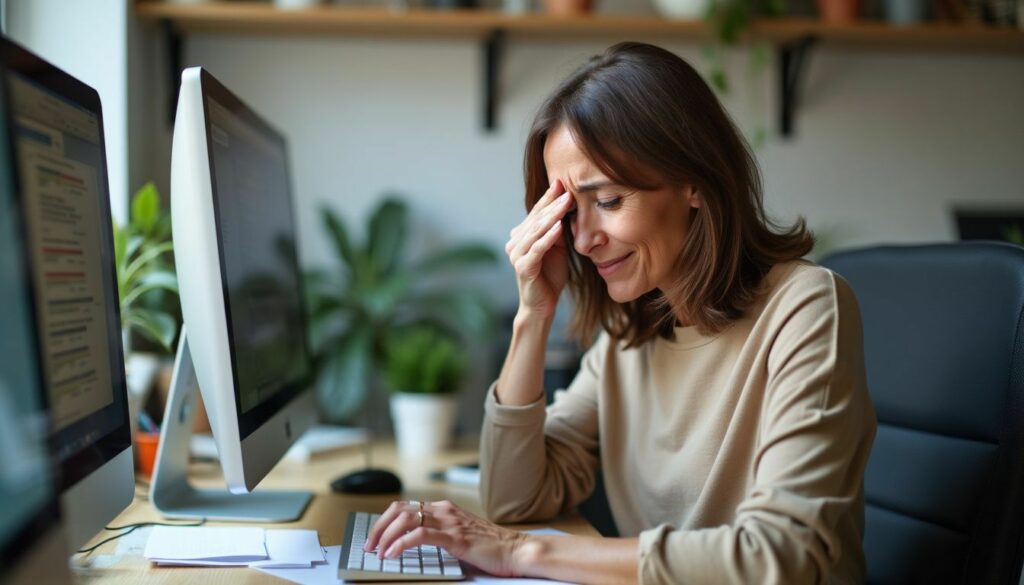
(944, 351)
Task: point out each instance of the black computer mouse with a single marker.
(368, 481)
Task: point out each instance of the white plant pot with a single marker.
(682, 9)
(423, 422)
(140, 370)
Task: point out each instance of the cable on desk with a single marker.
(129, 528)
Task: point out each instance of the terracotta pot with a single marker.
(839, 11)
(568, 7)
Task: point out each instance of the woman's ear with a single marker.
(693, 198)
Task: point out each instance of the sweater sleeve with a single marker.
(816, 429)
(536, 463)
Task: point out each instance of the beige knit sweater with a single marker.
(737, 458)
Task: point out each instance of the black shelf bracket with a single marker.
(494, 51)
(793, 61)
(175, 46)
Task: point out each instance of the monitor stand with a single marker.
(170, 491)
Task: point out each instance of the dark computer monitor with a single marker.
(55, 151)
(32, 549)
(1004, 224)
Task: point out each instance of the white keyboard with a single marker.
(422, 563)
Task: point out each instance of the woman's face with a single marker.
(632, 237)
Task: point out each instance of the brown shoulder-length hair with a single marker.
(646, 118)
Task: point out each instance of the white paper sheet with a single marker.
(292, 549)
(325, 574)
(232, 547)
(214, 544)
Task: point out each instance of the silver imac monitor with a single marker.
(32, 546)
(244, 342)
(54, 140)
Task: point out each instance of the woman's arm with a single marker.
(536, 463)
(579, 559)
(525, 474)
(522, 376)
(502, 551)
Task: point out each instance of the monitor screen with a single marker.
(259, 265)
(26, 476)
(61, 178)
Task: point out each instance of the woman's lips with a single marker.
(605, 269)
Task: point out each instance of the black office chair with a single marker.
(944, 350)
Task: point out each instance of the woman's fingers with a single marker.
(529, 264)
(538, 227)
(385, 520)
(538, 210)
(417, 537)
(406, 521)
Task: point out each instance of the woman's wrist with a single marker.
(531, 320)
(528, 555)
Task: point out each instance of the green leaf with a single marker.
(382, 298)
(133, 246)
(386, 238)
(339, 235)
(457, 256)
(344, 375)
(157, 279)
(146, 208)
(467, 311)
(145, 258)
(156, 325)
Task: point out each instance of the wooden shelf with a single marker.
(264, 18)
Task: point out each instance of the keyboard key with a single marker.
(371, 562)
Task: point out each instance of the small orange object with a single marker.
(145, 452)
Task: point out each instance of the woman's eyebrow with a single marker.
(594, 186)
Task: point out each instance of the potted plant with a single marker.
(145, 276)
(423, 367)
(373, 292)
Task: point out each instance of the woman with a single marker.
(724, 401)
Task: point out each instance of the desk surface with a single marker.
(326, 513)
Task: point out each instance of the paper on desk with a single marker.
(327, 574)
(323, 574)
(212, 546)
(206, 545)
(292, 549)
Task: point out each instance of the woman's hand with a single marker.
(465, 536)
(538, 253)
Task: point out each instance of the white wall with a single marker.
(885, 143)
(88, 40)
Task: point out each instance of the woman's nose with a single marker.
(585, 234)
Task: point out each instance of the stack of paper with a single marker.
(234, 547)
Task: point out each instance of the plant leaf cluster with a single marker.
(423, 360)
(143, 254)
(374, 293)
(728, 20)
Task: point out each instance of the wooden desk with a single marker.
(326, 513)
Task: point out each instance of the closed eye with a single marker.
(610, 203)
